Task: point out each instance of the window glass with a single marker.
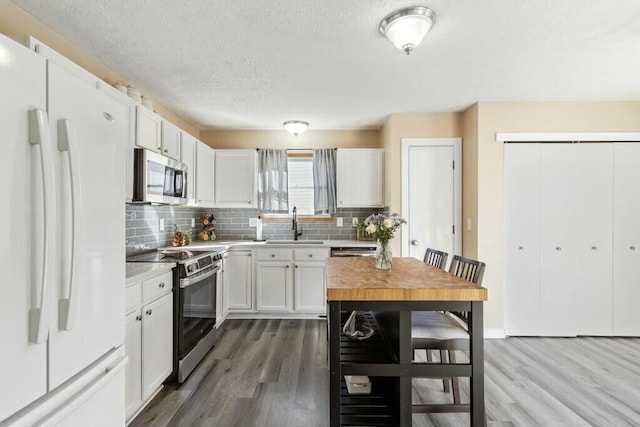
(301, 185)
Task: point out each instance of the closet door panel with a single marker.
(626, 237)
(594, 236)
(522, 245)
(558, 180)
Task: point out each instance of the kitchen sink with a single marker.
(295, 242)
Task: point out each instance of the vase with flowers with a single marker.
(383, 229)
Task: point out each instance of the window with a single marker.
(301, 184)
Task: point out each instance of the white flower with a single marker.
(371, 228)
(388, 223)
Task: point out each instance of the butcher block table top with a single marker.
(358, 279)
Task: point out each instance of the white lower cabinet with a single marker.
(291, 280)
(309, 289)
(238, 279)
(133, 375)
(157, 344)
(273, 286)
(310, 292)
(148, 339)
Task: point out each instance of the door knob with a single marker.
(415, 242)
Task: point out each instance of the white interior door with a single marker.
(24, 364)
(431, 195)
(522, 239)
(90, 135)
(626, 248)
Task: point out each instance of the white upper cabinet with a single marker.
(170, 140)
(235, 178)
(130, 118)
(204, 189)
(359, 177)
(188, 157)
(148, 131)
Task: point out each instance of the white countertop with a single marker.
(137, 271)
(250, 244)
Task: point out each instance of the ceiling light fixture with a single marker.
(295, 127)
(406, 28)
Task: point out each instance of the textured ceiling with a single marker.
(248, 64)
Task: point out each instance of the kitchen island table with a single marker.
(385, 300)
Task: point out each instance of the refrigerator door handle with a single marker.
(67, 306)
(39, 135)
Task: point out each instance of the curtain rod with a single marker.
(298, 149)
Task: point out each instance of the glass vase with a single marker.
(383, 255)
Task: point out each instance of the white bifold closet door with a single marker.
(626, 238)
(522, 246)
(559, 239)
(576, 239)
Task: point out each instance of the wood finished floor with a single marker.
(274, 373)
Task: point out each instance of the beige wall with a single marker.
(16, 23)
(470, 182)
(410, 125)
(526, 117)
(283, 139)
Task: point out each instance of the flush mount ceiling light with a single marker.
(295, 127)
(406, 28)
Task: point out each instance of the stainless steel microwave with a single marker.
(158, 179)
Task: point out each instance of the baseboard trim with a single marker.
(494, 333)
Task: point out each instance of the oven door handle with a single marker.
(188, 281)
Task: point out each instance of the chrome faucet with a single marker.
(294, 226)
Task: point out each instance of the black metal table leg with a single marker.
(334, 363)
(476, 345)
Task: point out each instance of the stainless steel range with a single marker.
(195, 310)
(196, 285)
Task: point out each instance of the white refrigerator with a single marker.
(63, 266)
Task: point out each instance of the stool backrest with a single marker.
(436, 258)
(467, 268)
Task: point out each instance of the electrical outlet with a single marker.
(339, 222)
(161, 224)
(193, 222)
(253, 222)
(354, 222)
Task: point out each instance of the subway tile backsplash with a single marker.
(143, 225)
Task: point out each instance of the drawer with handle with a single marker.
(156, 287)
(274, 254)
(310, 254)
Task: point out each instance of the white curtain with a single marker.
(273, 190)
(324, 181)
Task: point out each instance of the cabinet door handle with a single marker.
(287, 266)
(633, 248)
(310, 255)
(139, 317)
(149, 312)
(296, 266)
(558, 248)
(594, 248)
(249, 202)
(161, 284)
(273, 255)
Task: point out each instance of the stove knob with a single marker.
(190, 268)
